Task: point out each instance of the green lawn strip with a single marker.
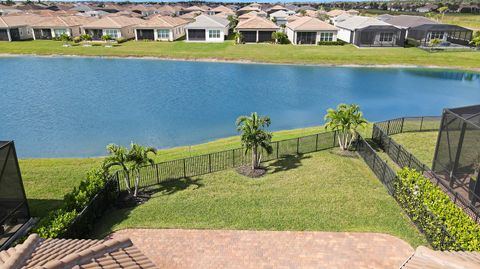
(316, 192)
(420, 144)
(270, 53)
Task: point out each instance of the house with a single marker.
(249, 8)
(196, 9)
(427, 8)
(293, 8)
(275, 9)
(293, 18)
(280, 17)
(115, 27)
(257, 29)
(252, 14)
(424, 30)
(52, 27)
(36, 252)
(161, 28)
(190, 17)
(222, 9)
(340, 18)
(207, 29)
(308, 30)
(16, 28)
(335, 13)
(370, 32)
(352, 12)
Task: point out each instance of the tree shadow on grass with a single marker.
(172, 186)
(42, 207)
(287, 162)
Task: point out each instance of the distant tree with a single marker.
(27, 2)
(345, 120)
(476, 40)
(302, 12)
(254, 136)
(280, 38)
(233, 21)
(238, 37)
(106, 38)
(323, 17)
(443, 10)
(9, 2)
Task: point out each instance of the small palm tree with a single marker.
(138, 156)
(118, 157)
(238, 37)
(476, 40)
(435, 42)
(442, 11)
(345, 120)
(106, 38)
(254, 136)
(86, 37)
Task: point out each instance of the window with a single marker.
(163, 33)
(59, 32)
(213, 33)
(386, 37)
(436, 35)
(113, 33)
(326, 36)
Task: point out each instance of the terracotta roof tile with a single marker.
(310, 24)
(63, 21)
(257, 23)
(113, 22)
(162, 22)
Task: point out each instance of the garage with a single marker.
(249, 36)
(42, 34)
(196, 34)
(145, 34)
(265, 36)
(4, 35)
(306, 38)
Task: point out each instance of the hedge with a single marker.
(446, 226)
(82, 206)
(332, 43)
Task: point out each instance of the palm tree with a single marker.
(238, 37)
(118, 157)
(476, 40)
(138, 156)
(345, 120)
(442, 11)
(106, 38)
(254, 136)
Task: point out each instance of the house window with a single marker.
(386, 37)
(113, 33)
(436, 35)
(163, 34)
(326, 36)
(213, 33)
(59, 32)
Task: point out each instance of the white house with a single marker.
(308, 30)
(52, 27)
(257, 29)
(114, 26)
(207, 29)
(280, 17)
(161, 28)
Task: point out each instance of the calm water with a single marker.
(68, 107)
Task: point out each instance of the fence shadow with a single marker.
(287, 162)
(172, 186)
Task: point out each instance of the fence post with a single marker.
(118, 181)
(278, 148)
(334, 135)
(410, 160)
(388, 127)
(401, 127)
(316, 143)
(421, 124)
(184, 168)
(210, 162)
(298, 144)
(233, 158)
(156, 173)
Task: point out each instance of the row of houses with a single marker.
(255, 26)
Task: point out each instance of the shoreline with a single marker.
(216, 60)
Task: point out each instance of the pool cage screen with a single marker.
(14, 211)
(457, 154)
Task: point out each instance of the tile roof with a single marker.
(407, 20)
(113, 22)
(162, 22)
(359, 22)
(279, 14)
(335, 12)
(195, 8)
(425, 258)
(224, 9)
(310, 24)
(40, 253)
(257, 23)
(19, 20)
(293, 18)
(204, 21)
(63, 21)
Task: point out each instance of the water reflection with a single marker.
(450, 75)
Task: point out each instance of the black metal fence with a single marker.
(435, 232)
(403, 158)
(152, 175)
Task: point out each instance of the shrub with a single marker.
(77, 39)
(430, 207)
(86, 37)
(332, 43)
(280, 38)
(56, 223)
(121, 40)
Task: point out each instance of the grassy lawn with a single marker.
(420, 144)
(318, 192)
(466, 20)
(259, 52)
(47, 180)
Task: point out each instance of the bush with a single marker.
(121, 40)
(332, 43)
(430, 208)
(86, 37)
(77, 39)
(280, 38)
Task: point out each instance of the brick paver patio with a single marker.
(175, 248)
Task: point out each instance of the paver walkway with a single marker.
(175, 248)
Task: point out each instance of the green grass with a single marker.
(466, 20)
(48, 180)
(268, 53)
(420, 144)
(317, 192)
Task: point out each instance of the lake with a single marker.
(74, 107)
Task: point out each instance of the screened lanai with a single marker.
(379, 36)
(449, 34)
(457, 154)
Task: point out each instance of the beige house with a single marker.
(115, 27)
(161, 28)
(17, 27)
(308, 30)
(256, 29)
(52, 27)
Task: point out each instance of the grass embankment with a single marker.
(466, 20)
(321, 191)
(420, 144)
(268, 53)
(47, 180)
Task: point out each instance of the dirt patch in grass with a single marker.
(247, 171)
